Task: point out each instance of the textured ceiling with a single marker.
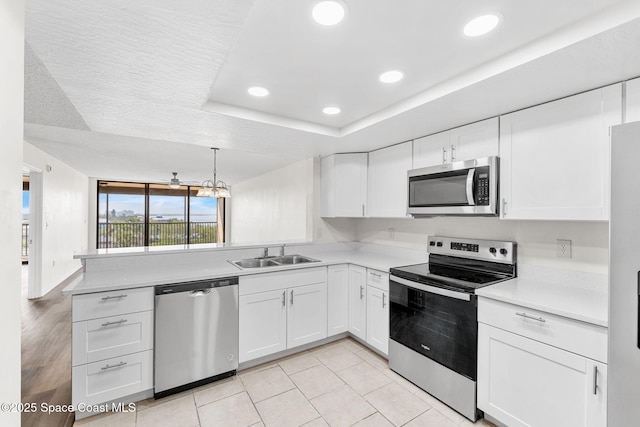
(127, 90)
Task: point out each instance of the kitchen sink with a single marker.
(294, 259)
(255, 262)
(273, 261)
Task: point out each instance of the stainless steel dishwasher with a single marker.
(196, 334)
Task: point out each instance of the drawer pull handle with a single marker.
(526, 316)
(361, 292)
(114, 297)
(119, 322)
(119, 365)
(425, 347)
(383, 302)
(595, 380)
(375, 274)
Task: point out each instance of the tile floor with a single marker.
(339, 384)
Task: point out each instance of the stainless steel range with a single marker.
(433, 326)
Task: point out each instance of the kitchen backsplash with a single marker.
(536, 239)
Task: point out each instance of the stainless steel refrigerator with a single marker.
(624, 278)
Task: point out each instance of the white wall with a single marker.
(275, 206)
(11, 125)
(65, 210)
(536, 239)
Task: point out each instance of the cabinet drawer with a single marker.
(109, 337)
(105, 304)
(572, 335)
(378, 279)
(111, 379)
(265, 282)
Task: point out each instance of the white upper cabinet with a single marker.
(633, 101)
(343, 185)
(431, 150)
(554, 158)
(387, 183)
(472, 141)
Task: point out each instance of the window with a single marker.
(134, 214)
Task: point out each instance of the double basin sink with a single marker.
(273, 261)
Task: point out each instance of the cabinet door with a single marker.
(554, 158)
(522, 382)
(109, 337)
(475, 141)
(344, 185)
(337, 299)
(632, 113)
(307, 319)
(378, 319)
(111, 379)
(387, 183)
(358, 301)
(431, 150)
(263, 324)
(596, 394)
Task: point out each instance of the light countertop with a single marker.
(127, 278)
(576, 295)
(573, 294)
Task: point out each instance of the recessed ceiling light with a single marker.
(331, 111)
(328, 12)
(482, 25)
(258, 91)
(391, 76)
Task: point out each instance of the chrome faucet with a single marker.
(282, 250)
(265, 252)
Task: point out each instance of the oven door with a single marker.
(460, 188)
(438, 323)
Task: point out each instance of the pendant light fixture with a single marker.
(214, 188)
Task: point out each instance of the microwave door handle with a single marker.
(470, 175)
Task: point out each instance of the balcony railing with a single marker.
(25, 240)
(123, 234)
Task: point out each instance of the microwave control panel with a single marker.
(482, 186)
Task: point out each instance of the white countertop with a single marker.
(127, 278)
(573, 294)
(576, 295)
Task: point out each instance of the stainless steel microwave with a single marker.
(461, 188)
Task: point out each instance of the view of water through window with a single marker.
(133, 214)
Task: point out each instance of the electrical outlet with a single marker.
(392, 233)
(563, 248)
(319, 232)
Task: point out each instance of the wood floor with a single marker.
(46, 355)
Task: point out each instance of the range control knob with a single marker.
(439, 244)
(432, 243)
(492, 250)
(503, 251)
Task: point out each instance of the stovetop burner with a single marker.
(463, 264)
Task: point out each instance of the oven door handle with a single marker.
(433, 289)
(470, 198)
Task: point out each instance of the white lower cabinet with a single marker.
(307, 314)
(358, 301)
(112, 346)
(525, 382)
(378, 319)
(337, 299)
(378, 310)
(263, 324)
(281, 310)
(111, 379)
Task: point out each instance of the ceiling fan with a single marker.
(175, 183)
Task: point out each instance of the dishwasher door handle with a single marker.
(199, 293)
